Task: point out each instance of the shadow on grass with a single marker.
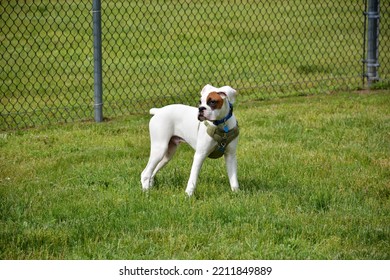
(254, 185)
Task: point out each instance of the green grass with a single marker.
(314, 175)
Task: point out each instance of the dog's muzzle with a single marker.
(201, 116)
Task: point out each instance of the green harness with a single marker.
(221, 137)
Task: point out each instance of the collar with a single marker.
(228, 116)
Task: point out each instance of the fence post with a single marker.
(372, 42)
(97, 53)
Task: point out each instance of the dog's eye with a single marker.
(212, 102)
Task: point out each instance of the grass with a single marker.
(314, 175)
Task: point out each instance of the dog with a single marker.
(211, 130)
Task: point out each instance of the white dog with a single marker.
(216, 136)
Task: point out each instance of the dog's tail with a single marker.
(153, 111)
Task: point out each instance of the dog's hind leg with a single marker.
(172, 147)
(159, 157)
(157, 154)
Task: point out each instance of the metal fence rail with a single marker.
(164, 51)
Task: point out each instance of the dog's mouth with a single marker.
(201, 117)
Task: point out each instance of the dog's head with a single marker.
(214, 102)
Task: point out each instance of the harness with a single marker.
(222, 136)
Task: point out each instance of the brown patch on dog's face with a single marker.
(212, 106)
(215, 100)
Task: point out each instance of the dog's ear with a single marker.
(207, 88)
(229, 92)
(222, 94)
(226, 90)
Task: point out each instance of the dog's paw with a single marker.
(189, 192)
(146, 182)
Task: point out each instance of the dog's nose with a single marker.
(201, 109)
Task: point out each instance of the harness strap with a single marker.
(221, 137)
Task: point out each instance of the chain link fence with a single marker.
(158, 52)
(46, 62)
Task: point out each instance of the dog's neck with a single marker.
(226, 118)
(226, 123)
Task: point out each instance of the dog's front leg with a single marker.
(231, 164)
(199, 158)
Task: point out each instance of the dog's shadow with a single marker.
(254, 185)
(171, 177)
(175, 180)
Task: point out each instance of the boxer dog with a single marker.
(211, 130)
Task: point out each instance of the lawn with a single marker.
(314, 174)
